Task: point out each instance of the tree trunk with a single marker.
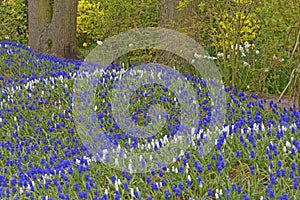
(168, 12)
(52, 27)
(179, 20)
(39, 15)
(171, 16)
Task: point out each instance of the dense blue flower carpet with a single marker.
(42, 155)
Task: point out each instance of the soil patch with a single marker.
(285, 101)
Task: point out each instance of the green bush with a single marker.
(14, 23)
(271, 26)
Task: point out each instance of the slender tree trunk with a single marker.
(180, 20)
(52, 27)
(168, 12)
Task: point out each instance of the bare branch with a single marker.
(296, 44)
(296, 70)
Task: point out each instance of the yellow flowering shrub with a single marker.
(89, 21)
(14, 21)
(237, 24)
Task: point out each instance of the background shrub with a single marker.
(90, 21)
(14, 21)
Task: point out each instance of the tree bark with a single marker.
(52, 27)
(39, 15)
(168, 16)
(180, 20)
(168, 12)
